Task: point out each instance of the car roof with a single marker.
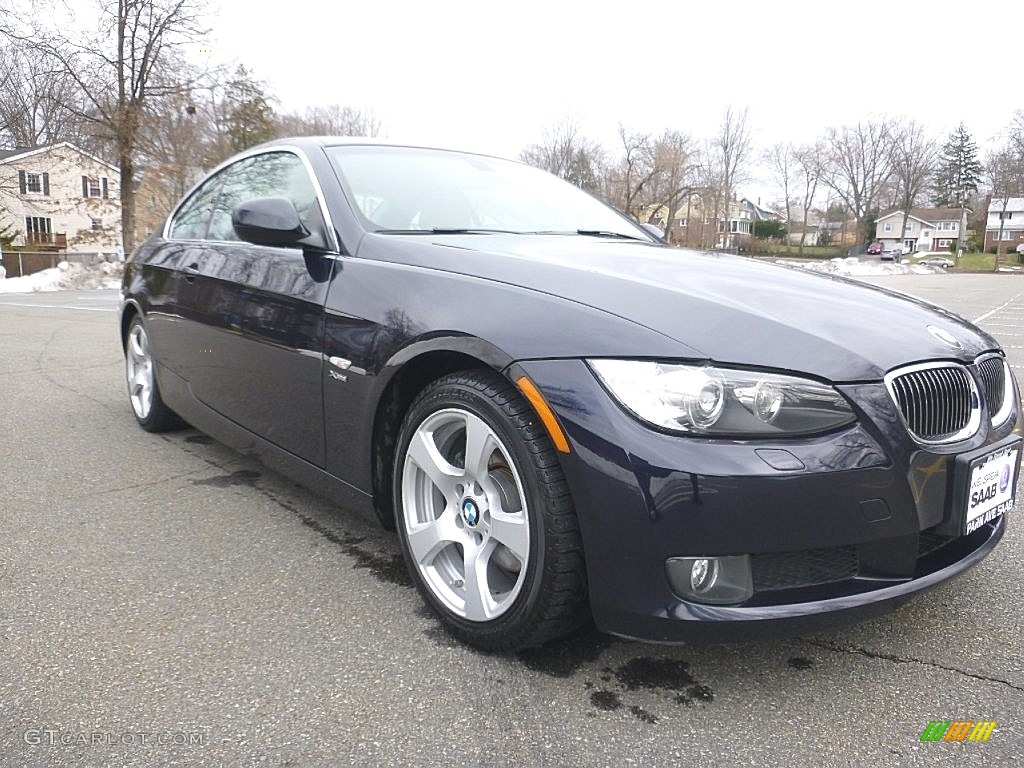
(339, 141)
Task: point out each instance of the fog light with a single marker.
(702, 574)
(715, 580)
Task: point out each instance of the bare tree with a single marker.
(1005, 170)
(858, 164)
(114, 66)
(673, 177)
(1016, 137)
(633, 173)
(783, 161)
(913, 163)
(733, 146)
(808, 160)
(39, 103)
(568, 154)
(178, 138)
(709, 191)
(331, 120)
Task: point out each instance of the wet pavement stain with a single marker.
(442, 638)
(608, 701)
(241, 477)
(669, 675)
(694, 693)
(564, 658)
(799, 662)
(389, 568)
(644, 672)
(667, 678)
(643, 715)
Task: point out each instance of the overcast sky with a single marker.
(492, 76)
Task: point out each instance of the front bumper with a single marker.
(837, 527)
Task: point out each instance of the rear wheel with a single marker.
(143, 392)
(484, 515)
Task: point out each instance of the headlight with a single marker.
(704, 400)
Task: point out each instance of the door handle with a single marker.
(190, 272)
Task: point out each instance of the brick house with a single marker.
(1005, 223)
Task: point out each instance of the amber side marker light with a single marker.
(547, 416)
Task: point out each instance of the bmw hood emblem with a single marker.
(470, 512)
(944, 336)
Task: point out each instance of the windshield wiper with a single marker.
(590, 233)
(447, 231)
(609, 233)
(472, 231)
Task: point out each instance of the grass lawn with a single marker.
(984, 262)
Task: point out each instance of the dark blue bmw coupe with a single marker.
(562, 416)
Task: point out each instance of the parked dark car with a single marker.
(562, 416)
(876, 248)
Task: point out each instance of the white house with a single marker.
(1005, 223)
(60, 198)
(927, 229)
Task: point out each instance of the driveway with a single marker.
(166, 601)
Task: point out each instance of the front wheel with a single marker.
(484, 515)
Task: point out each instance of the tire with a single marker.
(509, 512)
(148, 407)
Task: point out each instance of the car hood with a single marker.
(732, 309)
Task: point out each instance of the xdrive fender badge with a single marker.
(944, 336)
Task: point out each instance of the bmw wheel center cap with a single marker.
(470, 513)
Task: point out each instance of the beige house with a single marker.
(696, 224)
(59, 198)
(927, 229)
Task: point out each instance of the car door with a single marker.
(264, 312)
(177, 330)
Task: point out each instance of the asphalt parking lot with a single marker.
(165, 601)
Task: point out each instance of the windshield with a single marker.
(406, 190)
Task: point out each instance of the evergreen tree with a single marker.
(249, 118)
(7, 234)
(959, 171)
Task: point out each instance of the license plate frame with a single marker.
(986, 483)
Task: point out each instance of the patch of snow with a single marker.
(854, 267)
(66, 276)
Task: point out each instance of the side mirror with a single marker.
(271, 221)
(655, 230)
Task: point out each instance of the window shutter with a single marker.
(21, 182)
(28, 226)
(104, 180)
(85, 186)
(46, 184)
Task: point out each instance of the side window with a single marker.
(238, 186)
(189, 223)
(274, 174)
